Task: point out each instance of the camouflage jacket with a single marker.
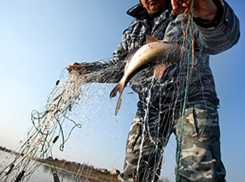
(210, 38)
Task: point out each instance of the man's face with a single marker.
(153, 6)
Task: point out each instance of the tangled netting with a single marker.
(48, 126)
(59, 109)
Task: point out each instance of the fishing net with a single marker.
(75, 102)
(68, 107)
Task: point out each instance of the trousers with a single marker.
(198, 144)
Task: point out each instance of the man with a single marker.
(184, 100)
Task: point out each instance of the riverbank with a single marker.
(82, 172)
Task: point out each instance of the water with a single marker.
(44, 173)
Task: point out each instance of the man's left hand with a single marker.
(204, 9)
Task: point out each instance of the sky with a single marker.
(38, 39)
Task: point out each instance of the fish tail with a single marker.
(118, 103)
(115, 90)
(118, 88)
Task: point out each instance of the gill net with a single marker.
(50, 125)
(69, 107)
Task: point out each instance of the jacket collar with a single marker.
(138, 12)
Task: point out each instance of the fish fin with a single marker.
(115, 90)
(173, 43)
(118, 103)
(118, 88)
(159, 71)
(151, 39)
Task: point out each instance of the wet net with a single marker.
(49, 126)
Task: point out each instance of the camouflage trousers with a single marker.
(200, 159)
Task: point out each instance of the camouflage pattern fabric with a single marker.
(200, 155)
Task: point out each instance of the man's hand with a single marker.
(77, 67)
(204, 9)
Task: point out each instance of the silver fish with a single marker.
(150, 54)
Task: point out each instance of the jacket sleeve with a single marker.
(221, 34)
(110, 71)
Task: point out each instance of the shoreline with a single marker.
(74, 169)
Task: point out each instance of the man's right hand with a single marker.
(76, 67)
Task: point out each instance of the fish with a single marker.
(150, 54)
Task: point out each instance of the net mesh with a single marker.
(69, 106)
(60, 109)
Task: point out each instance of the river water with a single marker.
(43, 173)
